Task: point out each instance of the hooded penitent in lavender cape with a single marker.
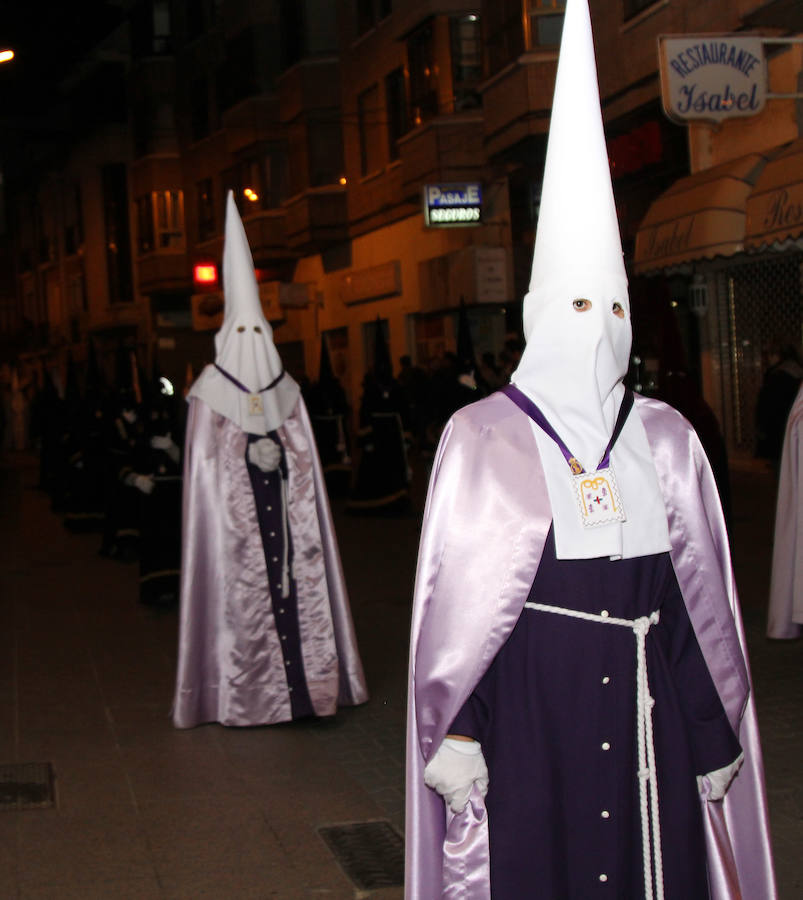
(265, 626)
(580, 718)
(785, 619)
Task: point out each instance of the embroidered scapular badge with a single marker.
(255, 405)
(598, 497)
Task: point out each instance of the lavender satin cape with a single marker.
(485, 524)
(785, 618)
(230, 664)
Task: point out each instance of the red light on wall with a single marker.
(204, 273)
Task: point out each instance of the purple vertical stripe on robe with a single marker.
(267, 487)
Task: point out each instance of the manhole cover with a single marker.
(26, 785)
(370, 853)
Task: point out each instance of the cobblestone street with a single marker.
(146, 811)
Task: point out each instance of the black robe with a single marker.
(556, 717)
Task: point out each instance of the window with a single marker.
(169, 219)
(544, 22)
(504, 35)
(368, 121)
(291, 22)
(369, 12)
(73, 220)
(466, 61)
(118, 248)
(238, 77)
(196, 18)
(206, 210)
(199, 108)
(396, 103)
(276, 188)
(633, 7)
(160, 218)
(423, 78)
(76, 294)
(150, 28)
(260, 182)
(145, 230)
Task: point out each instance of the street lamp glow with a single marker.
(6, 55)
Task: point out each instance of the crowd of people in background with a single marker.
(109, 459)
(110, 453)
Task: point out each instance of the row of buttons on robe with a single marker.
(278, 588)
(606, 680)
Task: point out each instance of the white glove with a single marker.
(720, 779)
(265, 454)
(453, 771)
(144, 483)
(166, 443)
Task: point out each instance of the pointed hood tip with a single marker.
(578, 211)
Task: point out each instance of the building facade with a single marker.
(355, 134)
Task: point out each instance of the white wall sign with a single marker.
(712, 77)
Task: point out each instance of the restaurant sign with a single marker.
(712, 77)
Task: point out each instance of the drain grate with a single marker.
(370, 853)
(26, 785)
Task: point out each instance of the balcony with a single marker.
(163, 272)
(266, 233)
(443, 150)
(312, 84)
(156, 173)
(316, 218)
(517, 101)
(251, 121)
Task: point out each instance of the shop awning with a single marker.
(775, 206)
(699, 217)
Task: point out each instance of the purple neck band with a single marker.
(242, 387)
(526, 405)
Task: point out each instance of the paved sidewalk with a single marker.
(146, 811)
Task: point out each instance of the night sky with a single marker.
(47, 38)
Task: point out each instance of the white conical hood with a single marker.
(578, 230)
(246, 354)
(575, 358)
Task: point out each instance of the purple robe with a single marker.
(252, 651)
(785, 618)
(485, 529)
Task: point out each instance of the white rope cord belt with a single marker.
(648, 777)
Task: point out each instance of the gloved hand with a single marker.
(265, 454)
(144, 483)
(720, 779)
(165, 442)
(454, 769)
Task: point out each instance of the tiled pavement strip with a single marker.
(145, 811)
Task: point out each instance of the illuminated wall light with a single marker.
(343, 180)
(204, 273)
(6, 55)
(251, 194)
